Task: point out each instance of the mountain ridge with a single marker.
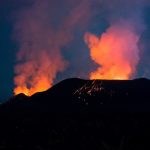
(92, 94)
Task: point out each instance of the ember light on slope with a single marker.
(91, 88)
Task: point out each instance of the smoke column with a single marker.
(41, 36)
(115, 51)
(39, 58)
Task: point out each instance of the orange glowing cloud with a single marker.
(41, 35)
(115, 51)
(37, 74)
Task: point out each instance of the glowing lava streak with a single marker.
(116, 52)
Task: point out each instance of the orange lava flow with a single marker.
(116, 52)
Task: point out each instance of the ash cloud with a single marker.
(42, 30)
(117, 48)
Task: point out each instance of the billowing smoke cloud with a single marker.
(116, 51)
(42, 31)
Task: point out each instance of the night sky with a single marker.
(28, 27)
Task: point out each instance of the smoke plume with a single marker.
(115, 51)
(42, 32)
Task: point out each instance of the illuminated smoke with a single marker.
(116, 51)
(39, 57)
(41, 33)
(37, 74)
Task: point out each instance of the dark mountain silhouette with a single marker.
(79, 114)
(91, 95)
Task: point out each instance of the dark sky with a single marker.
(65, 23)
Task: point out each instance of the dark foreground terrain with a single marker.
(79, 114)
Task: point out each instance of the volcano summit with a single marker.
(94, 95)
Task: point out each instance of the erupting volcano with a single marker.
(49, 45)
(77, 73)
(116, 52)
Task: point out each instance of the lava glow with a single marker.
(39, 86)
(36, 75)
(116, 52)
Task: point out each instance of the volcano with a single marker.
(73, 95)
(76, 113)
